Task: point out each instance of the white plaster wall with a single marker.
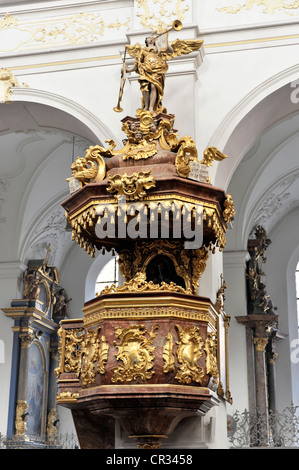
(282, 257)
(235, 305)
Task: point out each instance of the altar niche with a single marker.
(33, 417)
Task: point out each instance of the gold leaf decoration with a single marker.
(229, 210)
(269, 6)
(140, 284)
(134, 187)
(136, 352)
(168, 355)
(189, 351)
(212, 154)
(186, 152)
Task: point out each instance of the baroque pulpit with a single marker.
(149, 351)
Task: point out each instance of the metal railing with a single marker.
(61, 441)
(275, 429)
(245, 430)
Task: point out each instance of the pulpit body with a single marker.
(148, 352)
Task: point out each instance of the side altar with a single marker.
(150, 351)
(33, 415)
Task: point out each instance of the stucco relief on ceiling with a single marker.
(53, 230)
(4, 183)
(276, 203)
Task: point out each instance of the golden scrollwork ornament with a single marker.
(136, 352)
(94, 356)
(84, 353)
(7, 82)
(140, 284)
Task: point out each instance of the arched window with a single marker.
(108, 275)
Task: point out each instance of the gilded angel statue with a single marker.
(151, 65)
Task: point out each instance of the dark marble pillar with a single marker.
(257, 341)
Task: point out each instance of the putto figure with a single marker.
(151, 65)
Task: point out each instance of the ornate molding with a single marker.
(160, 16)
(7, 82)
(269, 7)
(67, 30)
(67, 397)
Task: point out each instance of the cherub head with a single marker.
(138, 136)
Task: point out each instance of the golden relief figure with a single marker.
(168, 355)
(229, 211)
(189, 351)
(136, 352)
(211, 359)
(151, 66)
(186, 153)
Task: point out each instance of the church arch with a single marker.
(243, 126)
(37, 116)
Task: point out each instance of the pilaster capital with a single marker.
(260, 344)
(11, 269)
(235, 259)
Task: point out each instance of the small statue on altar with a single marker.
(61, 305)
(31, 286)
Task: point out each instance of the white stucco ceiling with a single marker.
(265, 186)
(37, 147)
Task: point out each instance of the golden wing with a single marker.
(134, 51)
(182, 46)
(211, 154)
